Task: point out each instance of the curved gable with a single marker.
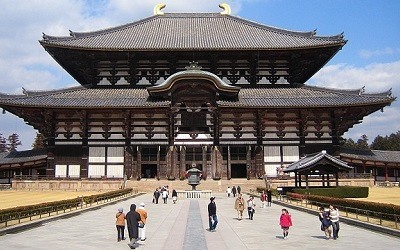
(193, 81)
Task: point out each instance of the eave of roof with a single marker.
(305, 96)
(310, 161)
(188, 31)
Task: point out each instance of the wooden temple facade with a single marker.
(175, 89)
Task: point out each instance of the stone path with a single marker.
(183, 226)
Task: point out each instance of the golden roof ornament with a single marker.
(158, 8)
(226, 8)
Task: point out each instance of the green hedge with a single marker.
(337, 192)
(349, 203)
(50, 207)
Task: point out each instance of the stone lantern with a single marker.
(194, 176)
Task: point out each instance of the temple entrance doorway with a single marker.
(149, 170)
(238, 171)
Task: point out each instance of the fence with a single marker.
(382, 219)
(13, 218)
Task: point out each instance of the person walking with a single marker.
(142, 224)
(239, 189)
(263, 198)
(212, 215)
(326, 222)
(120, 224)
(239, 206)
(229, 191)
(334, 216)
(156, 196)
(269, 197)
(132, 220)
(164, 195)
(174, 195)
(285, 221)
(234, 191)
(251, 207)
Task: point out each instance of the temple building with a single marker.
(175, 90)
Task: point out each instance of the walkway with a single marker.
(183, 226)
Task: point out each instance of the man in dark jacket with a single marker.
(212, 215)
(132, 219)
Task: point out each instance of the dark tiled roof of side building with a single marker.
(188, 31)
(305, 96)
(371, 155)
(22, 156)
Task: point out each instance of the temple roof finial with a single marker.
(158, 8)
(193, 66)
(226, 8)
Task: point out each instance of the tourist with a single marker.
(334, 216)
(239, 189)
(142, 223)
(120, 224)
(156, 196)
(326, 222)
(174, 196)
(251, 207)
(212, 215)
(132, 219)
(263, 199)
(229, 191)
(285, 221)
(234, 191)
(164, 195)
(269, 197)
(239, 206)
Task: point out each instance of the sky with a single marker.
(371, 57)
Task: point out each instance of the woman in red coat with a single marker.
(285, 222)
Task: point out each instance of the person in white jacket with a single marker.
(334, 216)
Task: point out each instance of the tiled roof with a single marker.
(312, 160)
(305, 96)
(371, 155)
(187, 31)
(22, 156)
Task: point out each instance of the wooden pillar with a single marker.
(299, 179)
(386, 173)
(323, 180)
(204, 159)
(172, 167)
(327, 180)
(158, 162)
(306, 180)
(248, 163)
(139, 163)
(229, 164)
(296, 182)
(216, 163)
(337, 179)
(182, 162)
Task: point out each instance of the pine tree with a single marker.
(3, 144)
(13, 142)
(39, 141)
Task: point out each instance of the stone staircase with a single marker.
(217, 186)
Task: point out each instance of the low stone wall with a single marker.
(67, 185)
(149, 185)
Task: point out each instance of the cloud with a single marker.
(366, 54)
(377, 77)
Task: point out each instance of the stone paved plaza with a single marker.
(183, 226)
